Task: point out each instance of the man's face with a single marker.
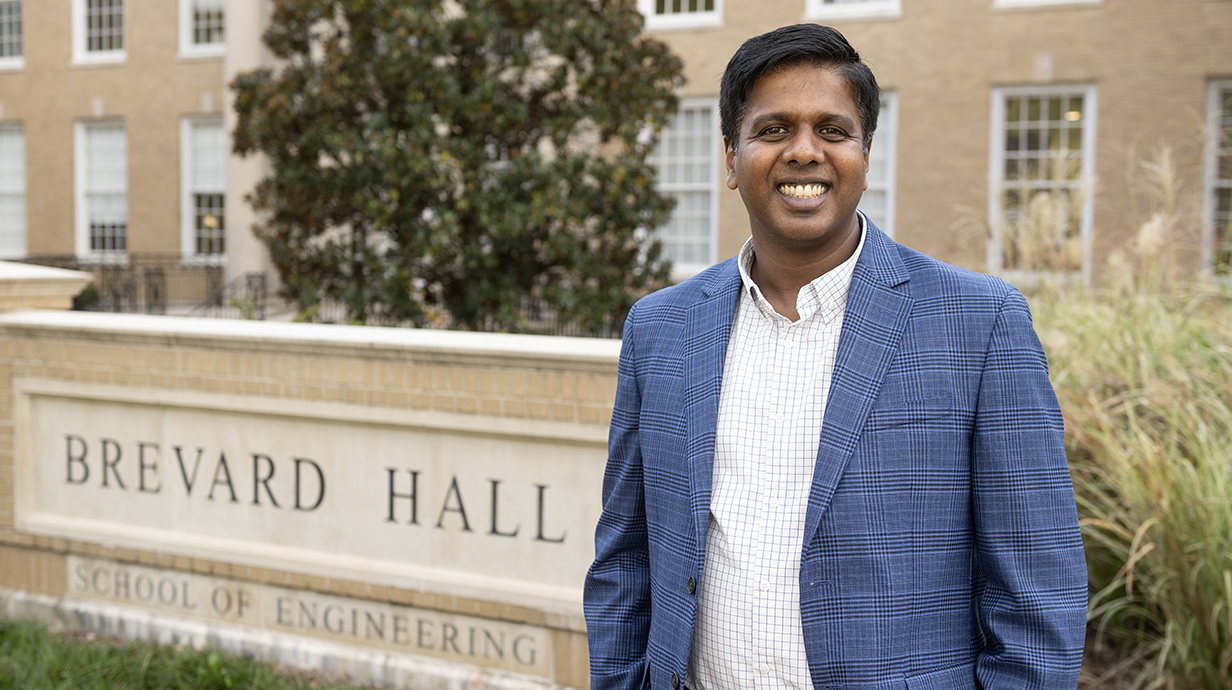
(800, 165)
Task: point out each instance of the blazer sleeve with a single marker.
(616, 595)
(1031, 583)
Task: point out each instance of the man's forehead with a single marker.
(756, 92)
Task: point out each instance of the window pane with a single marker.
(12, 192)
(685, 7)
(1221, 186)
(209, 161)
(106, 182)
(208, 218)
(208, 22)
(104, 25)
(207, 148)
(685, 159)
(1041, 198)
(879, 195)
(10, 28)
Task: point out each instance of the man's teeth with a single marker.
(803, 191)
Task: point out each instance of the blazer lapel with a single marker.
(873, 325)
(706, 334)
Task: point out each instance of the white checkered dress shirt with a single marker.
(775, 382)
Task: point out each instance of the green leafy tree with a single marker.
(453, 158)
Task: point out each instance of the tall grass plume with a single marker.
(1143, 369)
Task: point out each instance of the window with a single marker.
(687, 161)
(102, 189)
(1217, 192)
(852, 9)
(98, 31)
(12, 192)
(878, 200)
(203, 176)
(10, 35)
(673, 14)
(202, 30)
(1041, 173)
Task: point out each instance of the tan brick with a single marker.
(564, 412)
(590, 414)
(467, 405)
(438, 378)
(512, 383)
(539, 410)
(490, 406)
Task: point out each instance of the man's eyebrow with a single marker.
(783, 116)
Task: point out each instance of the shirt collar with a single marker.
(835, 282)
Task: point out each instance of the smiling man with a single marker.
(834, 462)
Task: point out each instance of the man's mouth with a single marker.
(804, 191)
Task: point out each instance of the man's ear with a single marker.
(730, 150)
(867, 149)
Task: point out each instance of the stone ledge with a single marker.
(420, 345)
(24, 286)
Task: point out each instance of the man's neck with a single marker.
(781, 271)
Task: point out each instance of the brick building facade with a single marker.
(113, 121)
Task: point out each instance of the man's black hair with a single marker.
(813, 44)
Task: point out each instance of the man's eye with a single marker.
(773, 130)
(833, 134)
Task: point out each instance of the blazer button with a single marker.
(692, 585)
(675, 682)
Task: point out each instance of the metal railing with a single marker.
(171, 284)
(243, 297)
(141, 283)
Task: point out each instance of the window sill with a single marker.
(12, 64)
(202, 52)
(204, 260)
(1043, 4)
(683, 21)
(113, 57)
(854, 11)
(103, 258)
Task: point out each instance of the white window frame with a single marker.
(25, 228)
(681, 271)
(861, 9)
(1015, 4)
(82, 56)
(886, 139)
(1210, 165)
(81, 211)
(996, 170)
(188, 207)
(14, 62)
(188, 49)
(684, 20)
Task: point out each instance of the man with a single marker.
(834, 462)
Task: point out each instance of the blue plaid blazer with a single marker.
(941, 547)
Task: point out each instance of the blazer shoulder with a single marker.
(932, 278)
(676, 299)
(660, 316)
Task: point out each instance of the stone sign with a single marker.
(490, 508)
(451, 637)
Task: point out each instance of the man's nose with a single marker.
(805, 147)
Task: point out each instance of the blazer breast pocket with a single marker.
(890, 414)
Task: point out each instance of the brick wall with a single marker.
(539, 378)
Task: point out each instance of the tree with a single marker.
(437, 157)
